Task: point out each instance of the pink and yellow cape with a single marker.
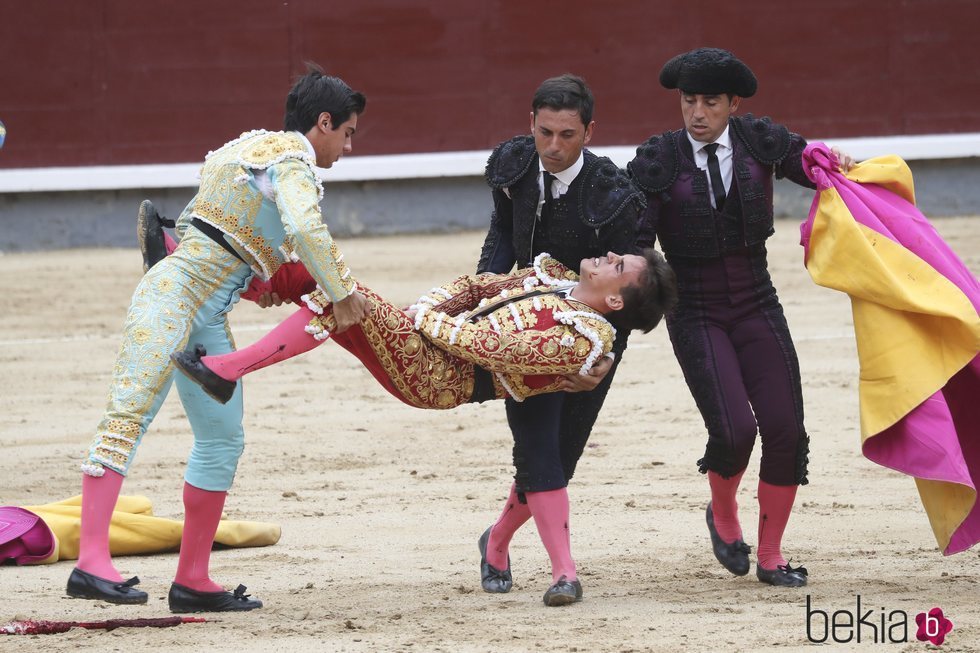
(917, 331)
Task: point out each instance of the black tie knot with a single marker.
(711, 148)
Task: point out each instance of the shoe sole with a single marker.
(143, 218)
(148, 220)
(180, 366)
(200, 610)
(733, 572)
(776, 584)
(90, 597)
(558, 600)
(141, 235)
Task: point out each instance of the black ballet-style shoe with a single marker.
(782, 575)
(149, 233)
(189, 362)
(183, 599)
(733, 556)
(563, 592)
(83, 585)
(492, 579)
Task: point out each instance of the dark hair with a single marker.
(565, 92)
(315, 93)
(646, 302)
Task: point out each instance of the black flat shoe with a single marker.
(184, 599)
(149, 233)
(83, 585)
(492, 579)
(782, 576)
(563, 592)
(734, 556)
(189, 362)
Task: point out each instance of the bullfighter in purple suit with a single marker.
(709, 189)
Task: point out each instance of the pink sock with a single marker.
(550, 512)
(202, 512)
(775, 506)
(514, 516)
(169, 243)
(99, 496)
(724, 507)
(288, 339)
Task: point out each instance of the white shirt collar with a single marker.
(725, 140)
(568, 175)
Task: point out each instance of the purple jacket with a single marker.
(679, 209)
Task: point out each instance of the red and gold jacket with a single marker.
(522, 327)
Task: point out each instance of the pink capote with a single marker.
(24, 537)
(937, 440)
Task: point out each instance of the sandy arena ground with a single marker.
(381, 504)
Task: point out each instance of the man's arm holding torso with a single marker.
(498, 255)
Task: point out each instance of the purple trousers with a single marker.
(733, 344)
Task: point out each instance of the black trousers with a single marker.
(550, 433)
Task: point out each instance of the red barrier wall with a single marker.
(112, 82)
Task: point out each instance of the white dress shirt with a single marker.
(562, 180)
(724, 154)
(561, 183)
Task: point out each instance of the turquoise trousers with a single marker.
(183, 299)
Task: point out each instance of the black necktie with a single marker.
(714, 171)
(548, 198)
(546, 210)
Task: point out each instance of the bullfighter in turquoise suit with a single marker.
(257, 207)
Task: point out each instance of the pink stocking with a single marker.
(775, 506)
(288, 339)
(550, 512)
(169, 243)
(514, 516)
(99, 496)
(202, 512)
(724, 506)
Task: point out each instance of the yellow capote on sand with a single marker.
(917, 332)
(134, 530)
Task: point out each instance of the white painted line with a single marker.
(269, 327)
(428, 165)
(840, 335)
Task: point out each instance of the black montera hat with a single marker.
(711, 71)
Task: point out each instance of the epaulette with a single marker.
(654, 169)
(766, 141)
(605, 192)
(273, 148)
(551, 272)
(510, 161)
